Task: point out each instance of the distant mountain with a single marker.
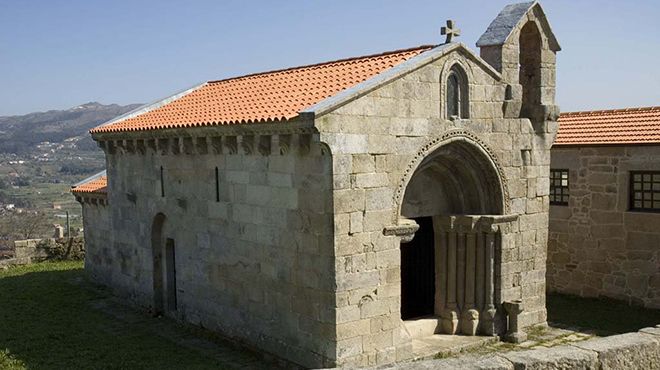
(21, 134)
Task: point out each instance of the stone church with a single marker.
(333, 214)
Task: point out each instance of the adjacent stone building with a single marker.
(318, 212)
(605, 206)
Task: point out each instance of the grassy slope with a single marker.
(602, 316)
(47, 322)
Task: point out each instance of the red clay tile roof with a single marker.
(617, 126)
(263, 97)
(96, 186)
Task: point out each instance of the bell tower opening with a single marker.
(529, 75)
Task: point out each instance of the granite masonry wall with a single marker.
(377, 142)
(597, 246)
(253, 256)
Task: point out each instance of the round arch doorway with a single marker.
(456, 179)
(163, 251)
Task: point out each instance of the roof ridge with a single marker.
(611, 111)
(397, 51)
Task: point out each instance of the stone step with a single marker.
(423, 327)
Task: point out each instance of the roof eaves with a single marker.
(148, 107)
(91, 178)
(358, 90)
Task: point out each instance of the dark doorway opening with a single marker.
(418, 272)
(170, 274)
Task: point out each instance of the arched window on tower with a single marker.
(456, 104)
(529, 75)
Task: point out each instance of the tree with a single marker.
(25, 225)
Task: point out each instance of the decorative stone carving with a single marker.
(304, 143)
(284, 144)
(264, 144)
(247, 144)
(231, 143)
(201, 145)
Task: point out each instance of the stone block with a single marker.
(563, 357)
(370, 180)
(463, 363)
(625, 351)
(377, 199)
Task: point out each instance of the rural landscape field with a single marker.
(41, 155)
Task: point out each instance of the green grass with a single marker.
(47, 322)
(602, 316)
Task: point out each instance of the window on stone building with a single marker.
(645, 191)
(217, 185)
(162, 182)
(559, 187)
(456, 94)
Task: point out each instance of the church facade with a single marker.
(333, 214)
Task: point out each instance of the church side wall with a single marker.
(98, 256)
(597, 246)
(256, 265)
(374, 140)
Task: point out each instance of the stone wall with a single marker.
(377, 142)
(253, 257)
(36, 250)
(597, 247)
(629, 351)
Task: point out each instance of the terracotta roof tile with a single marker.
(96, 186)
(617, 126)
(263, 97)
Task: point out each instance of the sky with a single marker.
(57, 54)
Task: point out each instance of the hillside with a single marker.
(21, 134)
(41, 155)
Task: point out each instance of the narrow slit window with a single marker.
(217, 185)
(162, 182)
(645, 191)
(559, 187)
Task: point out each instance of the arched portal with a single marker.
(164, 267)
(447, 268)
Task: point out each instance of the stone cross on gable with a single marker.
(450, 31)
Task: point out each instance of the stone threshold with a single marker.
(428, 344)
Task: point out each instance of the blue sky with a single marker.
(56, 54)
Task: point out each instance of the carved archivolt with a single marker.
(431, 146)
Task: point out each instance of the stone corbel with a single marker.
(188, 147)
(163, 146)
(284, 144)
(175, 145)
(201, 145)
(405, 230)
(110, 145)
(130, 146)
(140, 147)
(231, 143)
(265, 144)
(247, 144)
(304, 143)
(151, 144)
(216, 144)
(120, 146)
